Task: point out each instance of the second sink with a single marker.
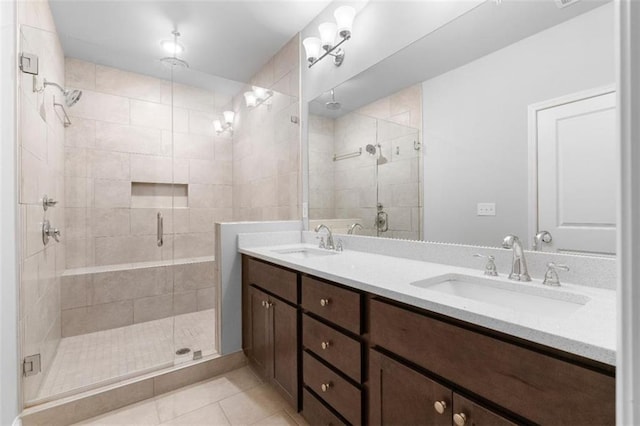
(518, 297)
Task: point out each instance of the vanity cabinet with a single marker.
(401, 395)
(270, 325)
(356, 358)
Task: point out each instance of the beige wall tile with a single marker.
(33, 130)
(111, 193)
(194, 245)
(152, 308)
(129, 284)
(108, 165)
(199, 147)
(207, 298)
(193, 276)
(81, 134)
(148, 168)
(201, 123)
(110, 222)
(73, 291)
(75, 164)
(133, 139)
(97, 317)
(80, 253)
(184, 303)
(101, 106)
(80, 74)
(131, 85)
(125, 249)
(32, 177)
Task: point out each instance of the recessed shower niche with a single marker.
(159, 195)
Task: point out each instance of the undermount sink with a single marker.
(305, 252)
(519, 297)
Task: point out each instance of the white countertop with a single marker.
(590, 331)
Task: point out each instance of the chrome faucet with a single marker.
(329, 245)
(352, 228)
(519, 270)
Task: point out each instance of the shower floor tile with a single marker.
(85, 361)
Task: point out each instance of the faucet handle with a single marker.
(339, 246)
(551, 276)
(321, 244)
(490, 268)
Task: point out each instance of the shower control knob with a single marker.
(324, 302)
(48, 202)
(325, 345)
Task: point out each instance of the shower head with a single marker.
(70, 96)
(333, 105)
(172, 61)
(371, 149)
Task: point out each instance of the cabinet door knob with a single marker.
(264, 303)
(440, 406)
(325, 345)
(268, 305)
(459, 419)
(324, 302)
(325, 387)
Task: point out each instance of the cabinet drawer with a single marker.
(276, 280)
(340, 306)
(336, 348)
(536, 386)
(316, 413)
(345, 398)
(474, 414)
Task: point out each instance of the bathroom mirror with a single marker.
(500, 122)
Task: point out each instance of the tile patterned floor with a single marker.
(234, 398)
(94, 359)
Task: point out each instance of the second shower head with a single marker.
(70, 96)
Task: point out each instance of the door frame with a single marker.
(532, 136)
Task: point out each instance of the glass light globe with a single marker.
(344, 18)
(218, 126)
(228, 116)
(250, 99)
(312, 46)
(327, 34)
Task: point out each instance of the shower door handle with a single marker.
(160, 229)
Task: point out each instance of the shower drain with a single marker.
(183, 351)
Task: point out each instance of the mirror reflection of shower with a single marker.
(333, 105)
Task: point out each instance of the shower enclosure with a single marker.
(133, 178)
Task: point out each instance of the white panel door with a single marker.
(578, 174)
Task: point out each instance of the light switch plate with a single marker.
(486, 209)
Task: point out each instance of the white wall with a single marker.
(475, 125)
(9, 385)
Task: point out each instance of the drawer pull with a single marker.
(324, 302)
(325, 345)
(325, 387)
(440, 406)
(460, 419)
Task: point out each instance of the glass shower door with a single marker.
(398, 212)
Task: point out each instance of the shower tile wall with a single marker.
(121, 133)
(41, 163)
(322, 194)
(351, 191)
(266, 147)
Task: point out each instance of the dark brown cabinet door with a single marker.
(285, 348)
(468, 413)
(400, 395)
(260, 353)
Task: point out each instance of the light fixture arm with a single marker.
(338, 56)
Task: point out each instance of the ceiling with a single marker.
(484, 29)
(225, 42)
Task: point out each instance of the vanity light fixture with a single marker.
(257, 96)
(317, 48)
(220, 128)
